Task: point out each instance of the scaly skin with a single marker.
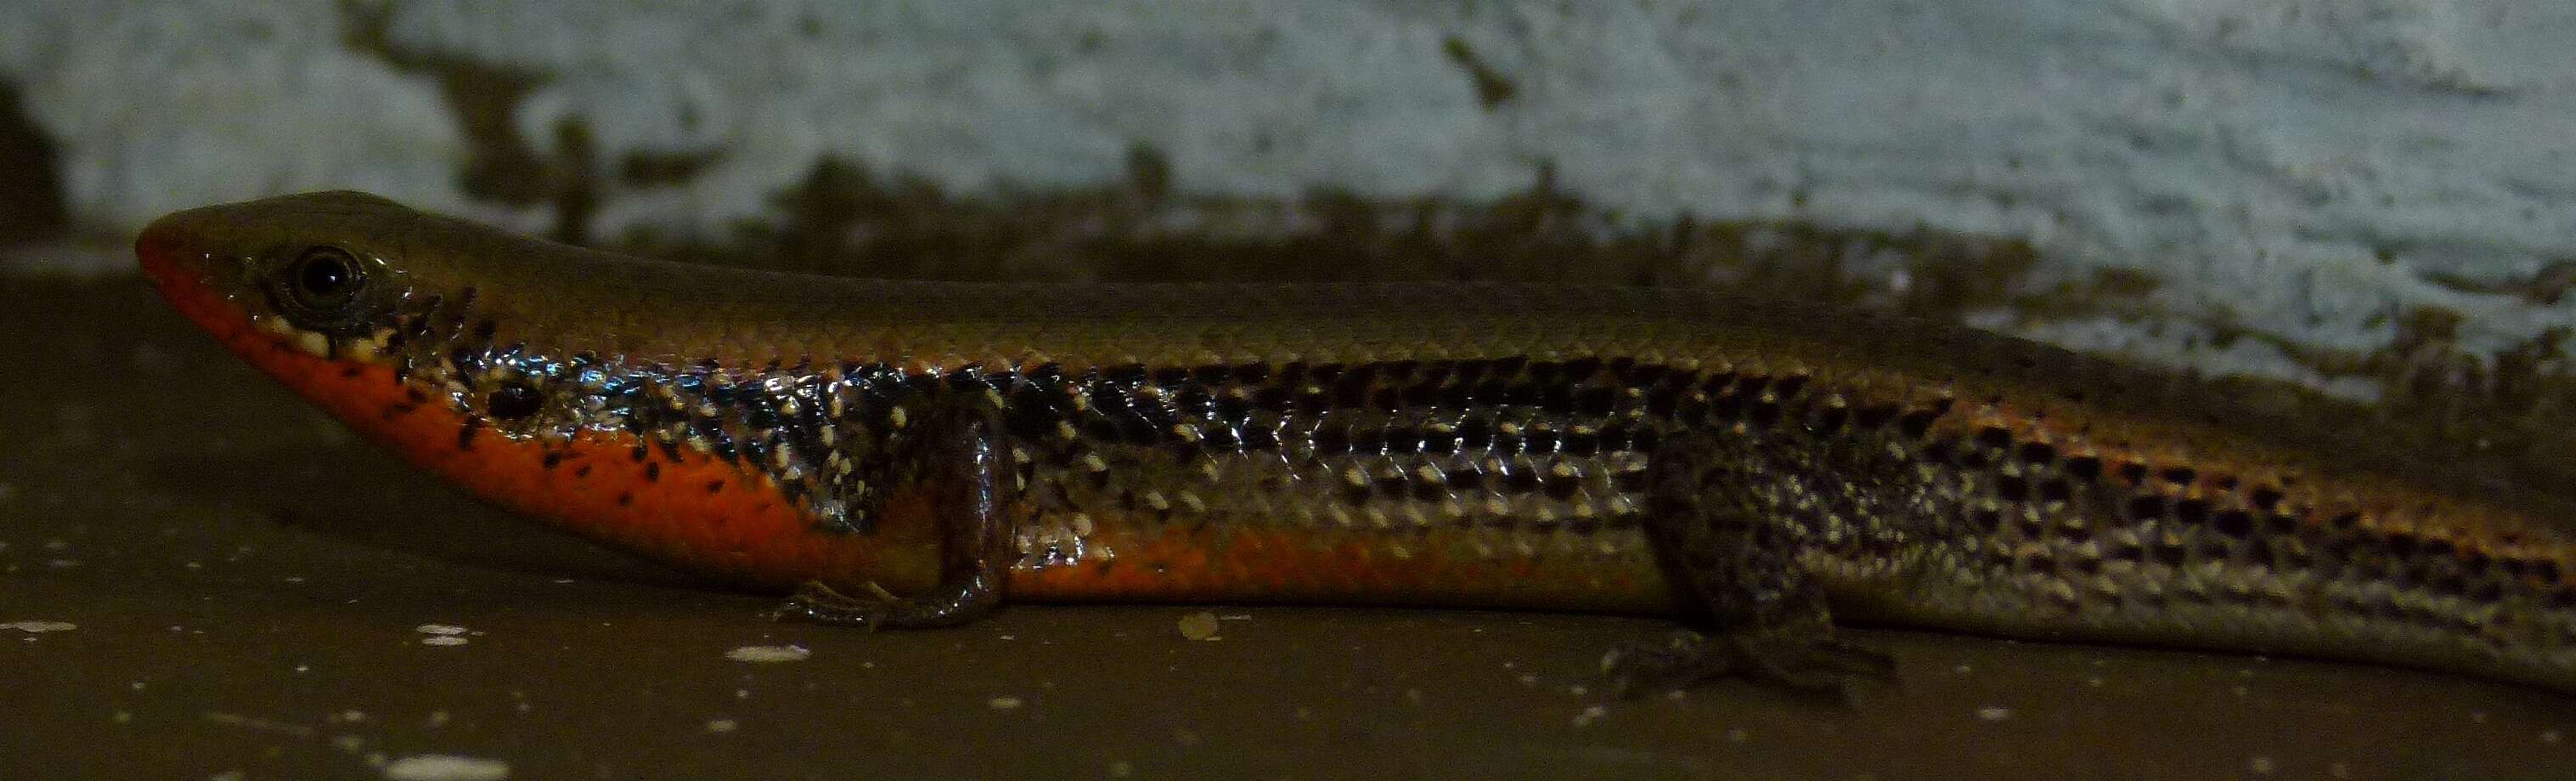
(1477, 445)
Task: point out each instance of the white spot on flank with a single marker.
(769, 653)
(1005, 703)
(1994, 713)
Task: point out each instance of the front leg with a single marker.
(959, 456)
(1734, 555)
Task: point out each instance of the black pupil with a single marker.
(324, 275)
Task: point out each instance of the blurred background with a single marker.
(2366, 199)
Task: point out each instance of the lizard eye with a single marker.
(325, 278)
(324, 289)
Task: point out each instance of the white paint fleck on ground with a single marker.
(1199, 626)
(1589, 714)
(769, 653)
(255, 723)
(446, 767)
(442, 634)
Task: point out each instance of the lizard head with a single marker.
(318, 272)
(535, 374)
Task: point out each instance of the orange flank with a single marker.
(1240, 563)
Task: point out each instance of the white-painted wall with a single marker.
(2254, 155)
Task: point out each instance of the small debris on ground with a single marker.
(769, 653)
(441, 634)
(1199, 626)
(446, 767)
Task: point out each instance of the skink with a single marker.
(912, 453)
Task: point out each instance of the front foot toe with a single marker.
(1802, 662)
(821, 604)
